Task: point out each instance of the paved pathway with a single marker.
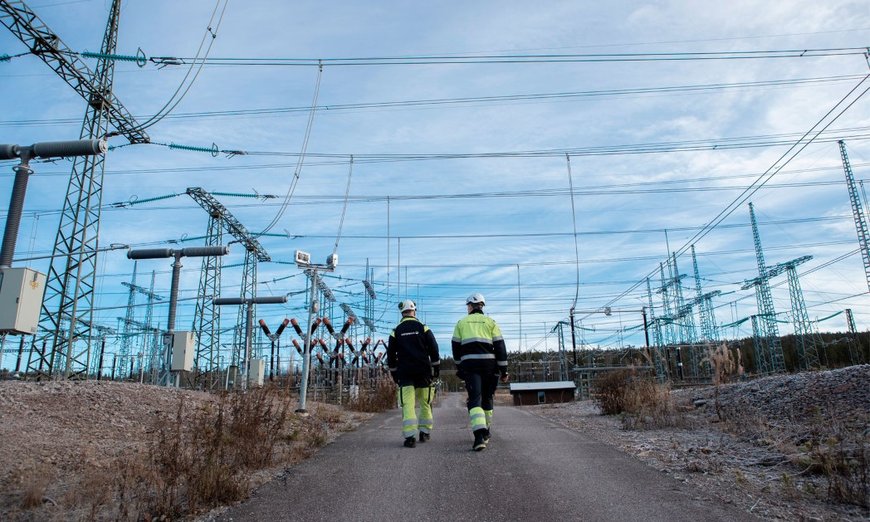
(533, 469)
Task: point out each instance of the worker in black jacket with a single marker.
(412, 356)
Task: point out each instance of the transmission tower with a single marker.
(659, 360)
(706, 316)
(807, 340)
(126, 351)
(667, 320)
(687, 321)
(856, 354)
(764, 324)
(67, 309)
(207, 317)
(126, 330)
(857, 212)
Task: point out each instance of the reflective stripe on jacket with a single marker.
(478, 344)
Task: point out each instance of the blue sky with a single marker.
(499, 219)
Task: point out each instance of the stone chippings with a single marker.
(744, 457)
(804, 399)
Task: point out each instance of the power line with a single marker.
(506, 98)
(474, 59)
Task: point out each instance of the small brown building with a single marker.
(529, 393)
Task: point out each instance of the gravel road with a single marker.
(532, 469)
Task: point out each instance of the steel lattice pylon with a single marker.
(706, 316)
(855, 351)
(766, 328)
(684, 310)
(220, 216)
(807, 341)
(206, 319)
(67, 310)
(667, 317)
(126, 327)
(248, 291)
(658, 350)
(857, 212)
(759, 343)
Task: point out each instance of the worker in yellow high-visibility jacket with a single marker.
(412, 356)
(481, 359)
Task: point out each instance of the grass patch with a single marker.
(380, 397)
(643, 403)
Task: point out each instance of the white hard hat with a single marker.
(475, 299)
(406, 305)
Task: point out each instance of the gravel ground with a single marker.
(59, 435)
(755, 456)
(758, 454)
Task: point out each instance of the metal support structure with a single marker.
(857, 212)
(221, 217)
(273, 339)
(706, 315)
(759, 344)
(766, 327)
(206, 317)
(311, 325)
(855, 350)
(247, 305)
(176, 254)
(68, 302)
(807, 340)
(658, 350)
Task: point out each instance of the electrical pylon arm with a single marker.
(229, 222)
(44, 43)
(774, 271)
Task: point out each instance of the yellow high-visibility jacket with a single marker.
(478, 345)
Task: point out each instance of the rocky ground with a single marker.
(777, 447)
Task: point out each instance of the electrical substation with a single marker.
(207, 324)
(236, 232)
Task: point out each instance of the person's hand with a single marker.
(436, 371)
(505, 378)
(460, 374)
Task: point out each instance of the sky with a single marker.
(446, 167)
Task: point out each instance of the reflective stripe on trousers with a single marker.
(424, 402)
(478, 418)
(410, 421)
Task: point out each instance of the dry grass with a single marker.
(373, 400)
(726, 365)
(643, 403)
(194, 459)
(33, 488)
(842, 456)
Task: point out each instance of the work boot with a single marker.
(410, 442)
(479, 441)
(486, 436)
(424, 437)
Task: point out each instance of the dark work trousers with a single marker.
(480, 388)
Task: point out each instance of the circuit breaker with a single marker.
(21, 291)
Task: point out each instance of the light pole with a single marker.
(303, 260)
(163, 253)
